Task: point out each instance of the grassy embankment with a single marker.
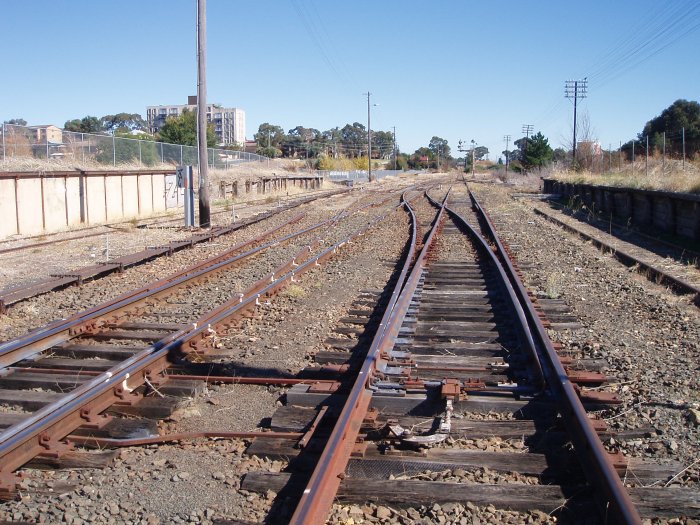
(668, 177)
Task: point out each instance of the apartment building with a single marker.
(229, 123)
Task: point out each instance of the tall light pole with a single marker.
(369, 141)
(204, 216)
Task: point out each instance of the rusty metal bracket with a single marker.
(597, 397)
(582, 377)
(92, 420)
(53, 447)
(324, 388)
(451, 389)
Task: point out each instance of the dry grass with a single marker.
(670, 177)
(34, 164)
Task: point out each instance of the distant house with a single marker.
(47, 134)
(47, 141)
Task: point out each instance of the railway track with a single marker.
(682, 277)
(460, 399)
(440, 399)
(64, 376)
(14, 294)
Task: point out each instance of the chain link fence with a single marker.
(53, 143)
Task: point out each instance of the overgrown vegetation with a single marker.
(668, 175)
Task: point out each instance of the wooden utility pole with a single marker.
(204, 211)
(527, 129)
(369, 142)
(507, 139)
(575, 89)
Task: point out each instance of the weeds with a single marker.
(673, 177)
(294, 291)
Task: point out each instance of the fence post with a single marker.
(180, 154)
(82, 145)
(683, 131)
(140, 160)
(114, 151)
(162, 159)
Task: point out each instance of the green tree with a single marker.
(270, 152)
(439, 146)
(269, 135)
(123, 122)
(354, 139)
(16, 122)
(183, 130)
(481, 153)
(382, 144)
(535, 152)
(679, 116)
(559, 155)
(301, 139)
(421, 158)
(402, 161)
(86, 124)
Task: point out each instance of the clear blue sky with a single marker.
(456, 69)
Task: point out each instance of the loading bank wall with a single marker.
(32, 203)
(674, 213)
(44, 202)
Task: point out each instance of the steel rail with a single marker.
(653, 273)
(513, 300)
(184, 436)
(614, 500)
(319, 494)
(39, 340)
(60, 281)
(20, 443)
(258, 289)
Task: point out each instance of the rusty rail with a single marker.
(43, 432)
(316, 501)
(613, 499)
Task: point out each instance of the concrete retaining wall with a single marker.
(674, 213)
(32, 203)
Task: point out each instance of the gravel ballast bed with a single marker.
(198, 482)
(649, 337)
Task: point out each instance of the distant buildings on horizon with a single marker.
(229, 123)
